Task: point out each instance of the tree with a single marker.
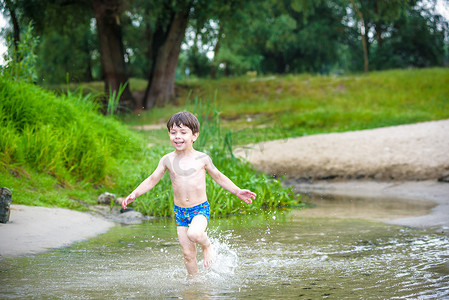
(166, 46)
(9, 5)
(108, 14)
(416, 39)
(363, 32)
(64, 25)
(376, 14)
(165, 24)
(278, 37)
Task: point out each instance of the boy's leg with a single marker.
(197, 234)
(188, 250)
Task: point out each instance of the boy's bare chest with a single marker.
(186, 167)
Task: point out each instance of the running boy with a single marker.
(187, 168)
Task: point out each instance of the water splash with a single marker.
(226, 257)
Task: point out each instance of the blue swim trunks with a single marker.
(184, 216)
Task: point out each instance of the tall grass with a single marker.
(63, 136)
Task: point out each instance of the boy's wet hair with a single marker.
(184, 118)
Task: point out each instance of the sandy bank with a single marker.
(408, 152)
(32, 229)
(400, 162)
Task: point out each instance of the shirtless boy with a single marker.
(187, 168)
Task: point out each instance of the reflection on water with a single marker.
(276, 255)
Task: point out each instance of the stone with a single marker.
(444, 178)
(5, 203)
(106, 198)
(130, 217)
(119, 201)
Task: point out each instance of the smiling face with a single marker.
(181, 137)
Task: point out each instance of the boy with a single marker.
(187, 168)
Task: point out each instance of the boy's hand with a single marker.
(128, 200)
(246, 195)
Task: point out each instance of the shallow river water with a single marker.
(283, 255)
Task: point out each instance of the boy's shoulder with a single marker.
(200, 154)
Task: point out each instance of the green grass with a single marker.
(276, 107)
(60, 151)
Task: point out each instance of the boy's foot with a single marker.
(209, 256)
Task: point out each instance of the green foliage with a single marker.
(274, 38)
(265, 36)
(67, 40)
(63, 136)
(417, 39)
(64, 52)
(21, 58)
(114, 98)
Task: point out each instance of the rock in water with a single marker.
(5, 203)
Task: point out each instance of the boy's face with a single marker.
(181, 137)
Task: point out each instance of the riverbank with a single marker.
(406, 153)
(32, 229)
(419, 151)
(399, 162)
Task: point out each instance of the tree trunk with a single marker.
(379, 30)
(88, 71)
(15, 24)
(214, 66)
(364, 37)
(280, 63)
(161, 82)
(107, 15)
(365, 49)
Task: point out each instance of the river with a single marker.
(338, 249)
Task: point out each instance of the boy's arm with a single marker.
(226, 183)
(147, 184)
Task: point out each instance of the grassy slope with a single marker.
(57, 150)
(274, 107)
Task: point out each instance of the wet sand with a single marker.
(33, 229)
(418, 204)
